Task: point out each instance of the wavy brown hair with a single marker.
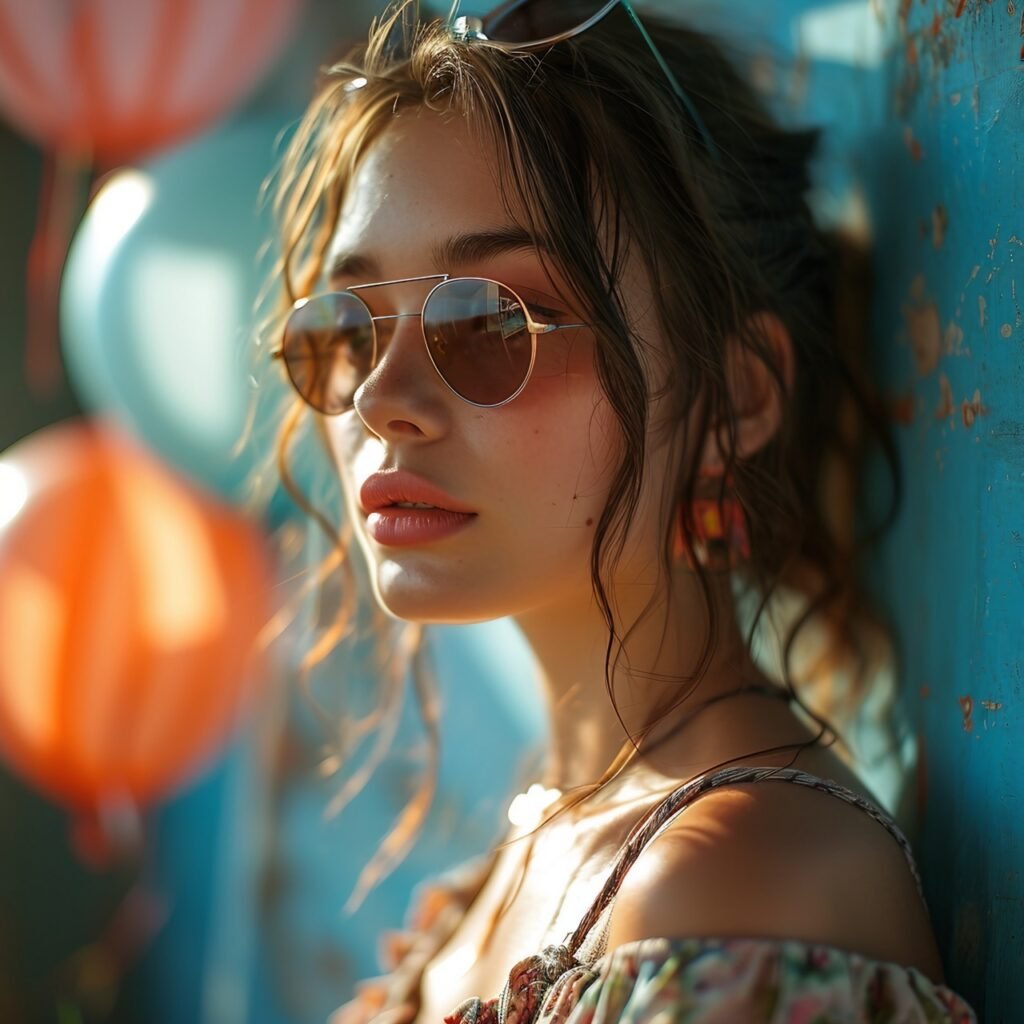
(720, 241)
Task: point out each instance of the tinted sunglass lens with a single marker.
(478, 339)
(328, 350)
(535, 20)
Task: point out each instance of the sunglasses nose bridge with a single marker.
(390, 327)
(385, 329)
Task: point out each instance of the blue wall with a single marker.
(924, 105)
(947, 198)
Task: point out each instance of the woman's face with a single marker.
(535, 471)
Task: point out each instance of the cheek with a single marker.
(566, 356)
(350, 444)
(560, 447)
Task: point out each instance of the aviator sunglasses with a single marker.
(480, 335)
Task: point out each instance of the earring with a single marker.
(717, 529)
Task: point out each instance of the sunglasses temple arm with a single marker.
(548, 328)
(697, 119)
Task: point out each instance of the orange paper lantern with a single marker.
(131, 606)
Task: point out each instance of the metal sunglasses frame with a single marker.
(535, 327)
(466, 28)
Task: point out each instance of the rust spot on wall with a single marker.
(923, 327)
(972, 409)
(925, 691)
(1006, 330)
(913, 146)
(901, 409)
(940, 220)
(961, 5)
(945, 406)
(991, 705)
(966, 704)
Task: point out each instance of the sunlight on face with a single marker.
(536, 471)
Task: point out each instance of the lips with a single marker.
(389, 488)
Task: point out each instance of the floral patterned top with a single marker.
(693, 980)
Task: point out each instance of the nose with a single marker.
(402, 395)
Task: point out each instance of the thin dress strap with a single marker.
(659, 818)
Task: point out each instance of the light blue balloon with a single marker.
(158, 298)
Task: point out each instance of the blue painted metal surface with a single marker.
(924, 105)
(947, 201)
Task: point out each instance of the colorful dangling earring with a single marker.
(717, 530)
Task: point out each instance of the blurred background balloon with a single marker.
(110, 81)
(131, 608)
(107, 82)
(158, 300)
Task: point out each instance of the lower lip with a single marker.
(404, 527)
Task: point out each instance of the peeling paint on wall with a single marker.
(953, 340)
(941, 159)
(966, 705)
(972, 409)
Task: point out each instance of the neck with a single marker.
(656, 667)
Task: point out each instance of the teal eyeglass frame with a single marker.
(467, 28)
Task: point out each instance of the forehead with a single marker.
(427, 178)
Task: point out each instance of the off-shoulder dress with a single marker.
(698, 980)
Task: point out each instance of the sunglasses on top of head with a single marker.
(539, 24)
(480, 335)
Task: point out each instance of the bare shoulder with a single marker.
(778, 861)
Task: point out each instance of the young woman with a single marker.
(558, 307)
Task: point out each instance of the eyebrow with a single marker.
(458, 250)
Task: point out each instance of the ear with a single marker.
(753, 392)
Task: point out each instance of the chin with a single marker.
(425, 612)
(404, 594)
